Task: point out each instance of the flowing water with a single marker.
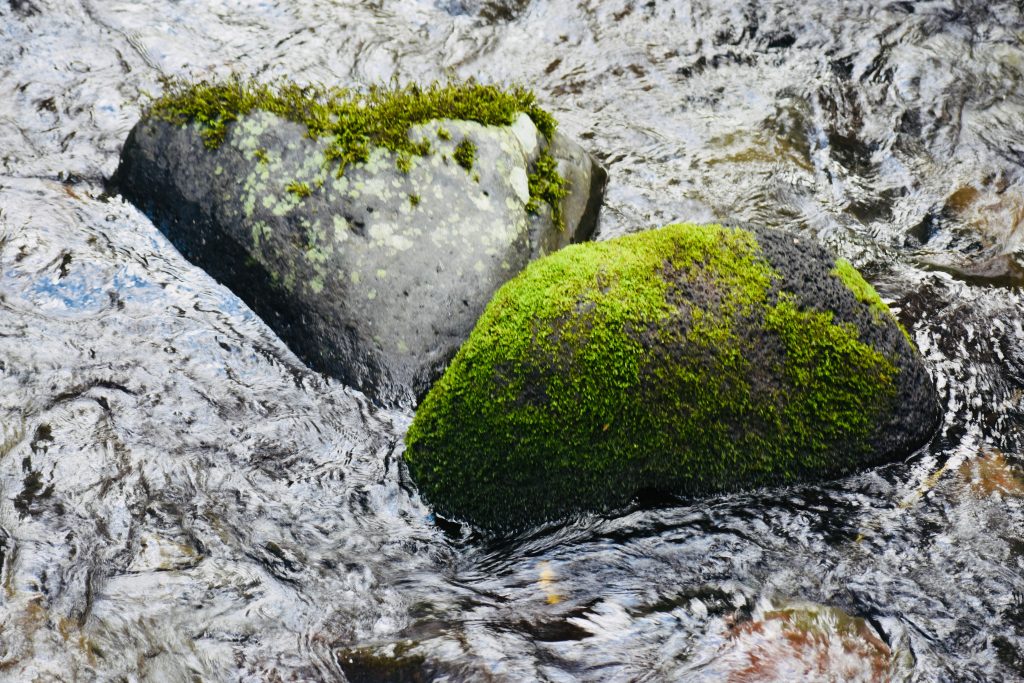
(180, 499)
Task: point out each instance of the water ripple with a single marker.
(181, 498)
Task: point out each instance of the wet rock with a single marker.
(805, 641)
(372, 260)
(366, 665)
(25, 8)
(160, 552)
(992, 473)
(686, 360)
(1000, 270)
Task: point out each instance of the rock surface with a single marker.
(797, 640)
(687, 360)
(375, 276)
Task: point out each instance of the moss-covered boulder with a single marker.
(369, 228)
(689, 359)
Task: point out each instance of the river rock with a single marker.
(685, 360)
(375, 275)
(821, 642)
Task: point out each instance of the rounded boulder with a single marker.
(685, 360)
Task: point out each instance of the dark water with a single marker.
(181, 500)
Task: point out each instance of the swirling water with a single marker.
(180, 499)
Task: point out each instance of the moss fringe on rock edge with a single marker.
(357, 121)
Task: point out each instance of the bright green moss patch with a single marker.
(860, 287)
(465, 153)
(865, 293)
(662, 360)
(835, 379)
(354, 122)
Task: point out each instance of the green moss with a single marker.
(299, 189)
(404, 162)
(355, 122)
(835, 379)
(593, 367)
(261, 155)
(547, 185)
(465, 153)
(865, 293)
(443, 133)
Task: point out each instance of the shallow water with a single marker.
(182, 499)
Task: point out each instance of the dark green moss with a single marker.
(593, 375)
(443, 133)
(358, 121)
(414, 200)
(298, 189)
(404, 163)
(355, 122)
(547, 185)
(261, 155)
(465, 154)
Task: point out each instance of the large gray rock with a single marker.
(376, 276)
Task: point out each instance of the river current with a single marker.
(181, 499)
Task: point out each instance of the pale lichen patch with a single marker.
(482, 202)
(260, 231)
(526, 133)
(520, 183)
(318, 255)
(285, 204)
(341, 228)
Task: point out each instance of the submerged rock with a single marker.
(365, 665)
(992, 473)
(805, 641)
(369, 230)
(685, 360)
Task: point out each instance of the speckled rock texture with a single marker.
(685, 360)
(377, 276)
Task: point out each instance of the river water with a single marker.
(180, 499)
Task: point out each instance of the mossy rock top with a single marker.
(355, 122)
(369, 229)
(688, 359)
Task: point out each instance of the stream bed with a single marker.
(181, 499)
